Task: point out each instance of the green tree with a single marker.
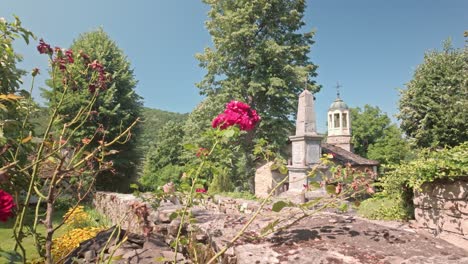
(259, 57)
(10, 75)
(391, 148)
(368, 126)
(433, 108)
(114, 110)
(153, 120)
(163, 161)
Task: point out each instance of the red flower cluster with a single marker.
(237, 113)
(6, 206)
(64, 57)
(102, 76)
(200, 190)
(44, 48)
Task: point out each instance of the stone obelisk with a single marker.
(306, 150)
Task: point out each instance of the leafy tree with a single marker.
(114, 110)
(433, 108)
(391, 148)
(153, 120)
(259, 57)
(368, 126)
(375, 137)
(10, 75)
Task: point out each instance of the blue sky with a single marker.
(371, 47)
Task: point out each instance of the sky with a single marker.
(371, 47)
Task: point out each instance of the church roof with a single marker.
(338, 104)
(344, 156)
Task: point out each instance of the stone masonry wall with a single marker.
(122, 209)
(442, 207)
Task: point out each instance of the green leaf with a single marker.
(331, 189)
(173, 216)
(190, 146)
(269, 227)
(283, 170)
(228, 133)
(314, 185)
(278, 206)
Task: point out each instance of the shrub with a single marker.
(169, 173)
(395, 201)
(385, 208)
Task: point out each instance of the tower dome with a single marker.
(338, 104)
(339, 124)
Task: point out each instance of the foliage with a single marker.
(230, 165)
(375, 137)
(391, 148)
(383, 207)
(433, 106)
(163, 161)
(10, 75)
(151, 180)
(153, 121)
(57, 163)
(113, 110)
(395, 201)
(368, 125)
(239, 195)
(447, 163)
(258, 57)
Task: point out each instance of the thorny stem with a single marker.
(189, 202)
(254, 216)
(18, 227)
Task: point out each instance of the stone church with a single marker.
(307, 146)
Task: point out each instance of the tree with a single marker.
(260, 58)
(375, 137)
(114, 110)
(391, 148)
(10, 75)
(368, 126)
(163, 161)
(153, 122)
(433, 108)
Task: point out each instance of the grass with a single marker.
(239, 195)
(8, 242)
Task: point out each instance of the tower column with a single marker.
(306, 150)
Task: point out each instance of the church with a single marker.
(338, 142)
(307, 147)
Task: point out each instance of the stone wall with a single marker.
(266, 180)
(442, 207)
(123, 209)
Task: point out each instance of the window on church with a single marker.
(330, 121)
(344, 120)
(336, 119)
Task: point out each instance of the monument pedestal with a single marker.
(297, 178)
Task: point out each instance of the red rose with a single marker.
(6, 206)
(236, 113)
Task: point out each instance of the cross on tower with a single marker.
(338, 89)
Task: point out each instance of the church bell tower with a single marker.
(339, 124)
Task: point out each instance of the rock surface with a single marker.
(320, 238)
